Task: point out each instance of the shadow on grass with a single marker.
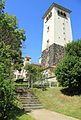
(16, 112)
(71, 91)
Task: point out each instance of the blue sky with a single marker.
(29, 14)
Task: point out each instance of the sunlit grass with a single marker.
(25, 117)
(54, 100)
(18, 114)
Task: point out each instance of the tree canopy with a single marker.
(9, 32)
(11, 38)
(68, 71)
(11, 35)
(6, 83)
(34, 72)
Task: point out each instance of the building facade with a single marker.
(56, 34)
(22, 74)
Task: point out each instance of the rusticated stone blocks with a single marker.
(52, 55)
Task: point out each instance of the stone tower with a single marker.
(56, 34)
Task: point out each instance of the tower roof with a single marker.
(57, 6)
(28, 57)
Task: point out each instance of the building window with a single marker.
(64, 15)
(58, 12)
(59, 37)
(47, 44)
(48, 17)
(64, 38)
(47, 41)
(50, 14)
(61, 13)
(48, 29)
(27, 59)
(63, 28)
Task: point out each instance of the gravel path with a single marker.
(43, 114)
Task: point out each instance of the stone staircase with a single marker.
(28, 99)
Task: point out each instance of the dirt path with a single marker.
(43, 114)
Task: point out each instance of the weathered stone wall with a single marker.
(52, 55)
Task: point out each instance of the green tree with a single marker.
(34, 73)
(68, 71)
(6, 83)
(11, 38)
(1, 6)
(74, 48)
(11, 35)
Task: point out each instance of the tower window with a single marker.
(49, 16)
(47, 44)
(59, 37)
(63, 28)
(47, 41)
(64, 15)
(60, 13)
(47, 19)
(48, 29)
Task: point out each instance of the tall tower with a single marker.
(56, 34)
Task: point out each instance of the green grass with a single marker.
(25, 117)
(54, 100)
(18, 114)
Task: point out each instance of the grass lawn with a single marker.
(25, 117)
(54, 100)
(18, 114)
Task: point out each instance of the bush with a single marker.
(6, 98)
(68, 71)
(6, 84)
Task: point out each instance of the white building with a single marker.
(56, 34)
(22, 74)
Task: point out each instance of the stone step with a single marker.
(29, 102)
(27, 95)
(24, 98)
(28, 98)
(27, 109)
(33, 107)
(31, 99)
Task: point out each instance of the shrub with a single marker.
(68, 71)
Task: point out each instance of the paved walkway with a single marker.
(43, 114)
